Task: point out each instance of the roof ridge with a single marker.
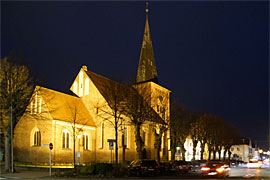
(55, 91)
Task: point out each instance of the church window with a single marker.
(144, 137)
(81, 84)
(85, 141)
(31, 107)
(125, 137)
(75, 87)
(86, 90)
(40, 105)
(36, 103)
(37, 138)
(101, 134)
(65, 140)
(162, 141)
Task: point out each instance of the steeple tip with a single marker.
(146, 7)
(147, 67)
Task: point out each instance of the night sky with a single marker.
(213, 56)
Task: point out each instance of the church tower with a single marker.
(147, 67)
(147, 86)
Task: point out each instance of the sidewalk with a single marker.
(27, 174)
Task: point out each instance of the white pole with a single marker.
(79, 150)
(11, 142)
(50, 164)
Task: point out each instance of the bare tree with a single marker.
(194, 132)
(139, 111)
(162, 107)
(78, 119)
(180, 124)
(114, 93)
(15, 92)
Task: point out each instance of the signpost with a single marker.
(111, 141)
(50, 147)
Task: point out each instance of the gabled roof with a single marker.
(102, 84)
(65, 107)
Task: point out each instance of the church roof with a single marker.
(65, 107)
(103, 84)
(147, 67)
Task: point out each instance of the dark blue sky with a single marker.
(213, 56)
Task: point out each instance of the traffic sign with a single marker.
(111, 145)
(51, 146)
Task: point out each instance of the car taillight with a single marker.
(205, 168)
(143, 167)
(156, 166)
(220, 170)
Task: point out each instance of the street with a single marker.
(236, 173)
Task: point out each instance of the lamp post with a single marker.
(78, 153)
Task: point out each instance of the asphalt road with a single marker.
(236, 173)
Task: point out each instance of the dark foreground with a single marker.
(236, 173)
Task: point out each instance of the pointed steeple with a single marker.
(147, 67)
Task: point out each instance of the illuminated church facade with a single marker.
(74, 122)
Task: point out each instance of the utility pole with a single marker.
(11, 136)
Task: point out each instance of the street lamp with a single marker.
(78, 153)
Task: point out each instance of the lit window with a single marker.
(37, 138)
(86, 90)
(40, 105)
(31, 107)
(125, 137)
(81, 84)
(101, 134)
(36, 103)
(65, 140)
(75, 87)
(85, 141)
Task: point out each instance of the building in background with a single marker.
(76, 125)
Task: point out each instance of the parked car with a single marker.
(164, 168)
(215, 168)
(143, 167)
(180, 166)
(196, 165)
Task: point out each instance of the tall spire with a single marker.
(147, 67)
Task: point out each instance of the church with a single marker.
(76, 126)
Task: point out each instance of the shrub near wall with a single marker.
(104, 170)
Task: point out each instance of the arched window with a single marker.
(37, 138)
(86, 88)
(75, 88)
(85, 141)
(125, 140)
(65, 139)
(40, 105)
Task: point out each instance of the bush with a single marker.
(104, 169)
(88, 169)
(119, 170)
(96, 170)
